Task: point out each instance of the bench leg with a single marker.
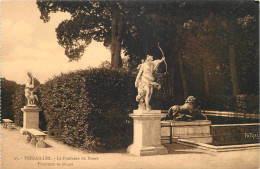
(40, 143)
(29, 137)
(9, 125)
(4, 125)
(33, 141)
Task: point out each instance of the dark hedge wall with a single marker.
(7, 92)
(89, 108)
(19, 101)
(239, 103)
(217, 102)
(248, 104)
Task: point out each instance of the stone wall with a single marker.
(235, 134)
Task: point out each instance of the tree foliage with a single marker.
(98, 20)
(211, 47)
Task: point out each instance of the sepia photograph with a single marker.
(129, 84)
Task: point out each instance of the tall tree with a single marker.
(98, 20)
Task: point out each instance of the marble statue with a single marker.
(186, 112)
(29, 89)
(145, 82)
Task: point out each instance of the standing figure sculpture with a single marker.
(145, 82)
(29, 89)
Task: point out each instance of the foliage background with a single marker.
(7, 91)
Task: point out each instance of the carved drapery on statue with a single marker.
(145, 82)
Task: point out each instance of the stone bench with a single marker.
(36, 138)
(7, 123)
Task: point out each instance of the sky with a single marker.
(30, 45)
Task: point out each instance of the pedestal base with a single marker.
(147, 151)
(30, 118)
(147, 133)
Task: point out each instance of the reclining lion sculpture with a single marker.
(186, 112)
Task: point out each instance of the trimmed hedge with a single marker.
(248, 104)
(19, 101)
(217, 102)
(230, 120)
(89, 108)
(239, 103)
(7, 92)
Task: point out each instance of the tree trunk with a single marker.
(144, 41)
(184, 83)
(205, 73)
(233, 70)
(206, 82)
(171, 77)
(116, 37)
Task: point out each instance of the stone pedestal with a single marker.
(30, 118)
(147, 133)
(198, 130)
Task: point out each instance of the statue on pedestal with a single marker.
(31, 110)
(186, 112)
(29, 89)
(145, 82)
(143, 143)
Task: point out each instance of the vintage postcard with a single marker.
(129, 84)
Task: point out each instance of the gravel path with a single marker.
(17, 154)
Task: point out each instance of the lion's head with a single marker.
(190, 99)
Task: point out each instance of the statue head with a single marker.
(149, 58)
(190, 99)
(29, 77)
(29, 74)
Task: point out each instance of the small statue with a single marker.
(186, 112)
(145, 82)
(29, 89)
(33, 98)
